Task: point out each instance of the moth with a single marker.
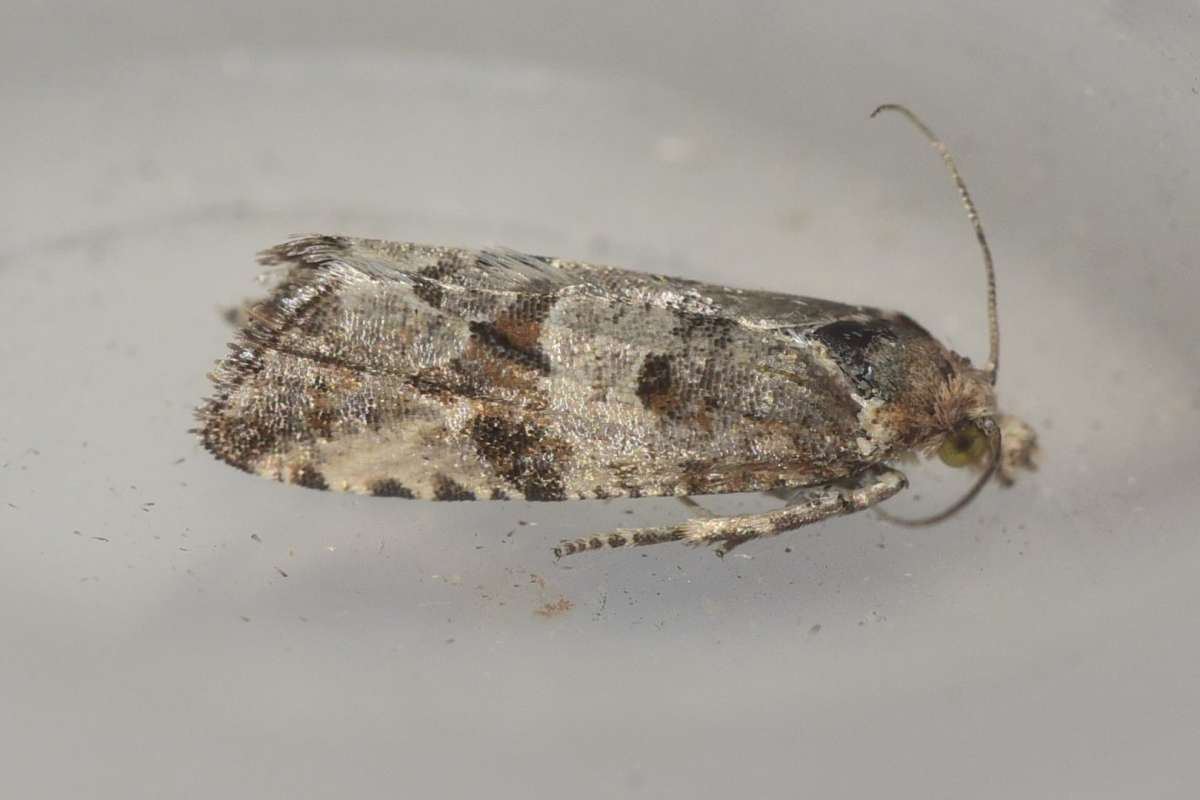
(439, 373)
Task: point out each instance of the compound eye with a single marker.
(964, 447)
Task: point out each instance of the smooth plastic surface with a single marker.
(172, 627)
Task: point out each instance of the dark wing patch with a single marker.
(523, 453)
(387, 487)
(852, 342)
(445, 488)
(518, 344)
(309, 477)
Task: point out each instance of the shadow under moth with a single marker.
(439, 373)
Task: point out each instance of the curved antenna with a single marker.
(960, 504)
(973, 215)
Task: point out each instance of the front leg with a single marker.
(871, 486)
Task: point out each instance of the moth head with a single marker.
(960, 416)
(973, 442)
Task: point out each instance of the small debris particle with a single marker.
(814, 630)
(560, 606)
(603, 605)
(538, 579)
(245, 619)
(99, 539)
(256, 538)
(281, 572)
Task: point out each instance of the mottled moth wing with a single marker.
(405, 370)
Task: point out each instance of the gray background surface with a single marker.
(1042, 644)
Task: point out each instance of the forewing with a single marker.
(443, 373)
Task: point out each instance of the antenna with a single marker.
(973, 215)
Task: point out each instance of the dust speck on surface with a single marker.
(559, 607)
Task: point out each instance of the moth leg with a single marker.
(695, 506)
(830, 500)
(872, 486)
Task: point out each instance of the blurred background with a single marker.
(173, 627)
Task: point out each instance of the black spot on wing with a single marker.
(852, 344)
(445, 488)
(654, 384)
(545, 488)
(388, 487)
(429, 291)
(853, 336)
(522, 453)
(512, 348)
(309, 477)
(427, 282)
(713, 330)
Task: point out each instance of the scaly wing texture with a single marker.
(405, 370)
